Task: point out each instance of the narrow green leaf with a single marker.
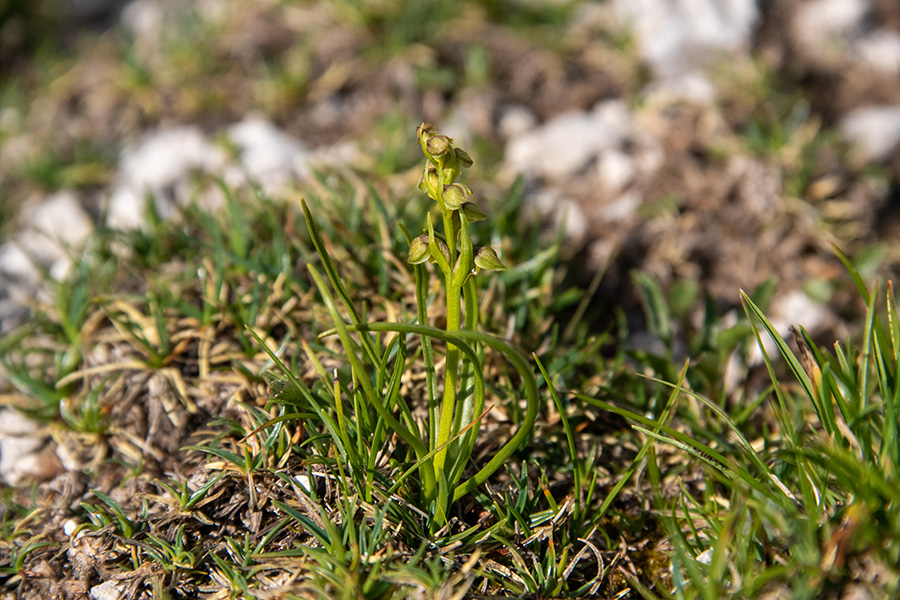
(655, 306)
(783, 348)
(336, 281)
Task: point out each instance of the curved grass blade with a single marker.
(336, 281)
(459, 338)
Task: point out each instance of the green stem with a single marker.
(462, 277)
(470, 298)
(472, 402)
(454, 320)
(531, 411)
(451, 373)
(449, 232)
(518, 362)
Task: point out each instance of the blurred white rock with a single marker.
(615, 169)
(619, 209)
(677, 36)
(705, 557)
(125, 208)
(53, 230)
(338, 155)
(62, 219)
(880, 50)
(825, 26)
(515, 120)
(23, 262)
(552, 206)
(20, 445)
(555, 150)
(154, 167)
(18, 269)
(167, 155)
(145, 20)
(604, 149)
(567, 144)
(691, 86)
(874, 131)
(267, 155)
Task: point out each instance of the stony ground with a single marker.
(723, 143)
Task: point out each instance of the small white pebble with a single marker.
(304, 482)
(108, 590)
(69, 527)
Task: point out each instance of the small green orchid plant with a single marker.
(458, 261)
(364, 413)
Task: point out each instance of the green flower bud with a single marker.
(455, 195)
(442, 248)
(418, 250)
(473, 212)
(451, 167)
(463, 157)
(486, 258)
(438, 145)
(430, 182)
(450, 173)
(425, 131)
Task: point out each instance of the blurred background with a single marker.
(713, 144)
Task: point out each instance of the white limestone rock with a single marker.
(144, 19)
(156, 168)
(620, 208)
(557, 209)
(874, 131)
(20, 448)
(125, 208)
(823, 28)
(268, 155)
(17, 268)
(515, 120)
(880, 50)
(567, 144)
(168, 155)
(693, 87)
(678, 36)
(62, 219)
(615, 169)
(108, 590)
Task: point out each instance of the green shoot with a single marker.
(441, 448)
